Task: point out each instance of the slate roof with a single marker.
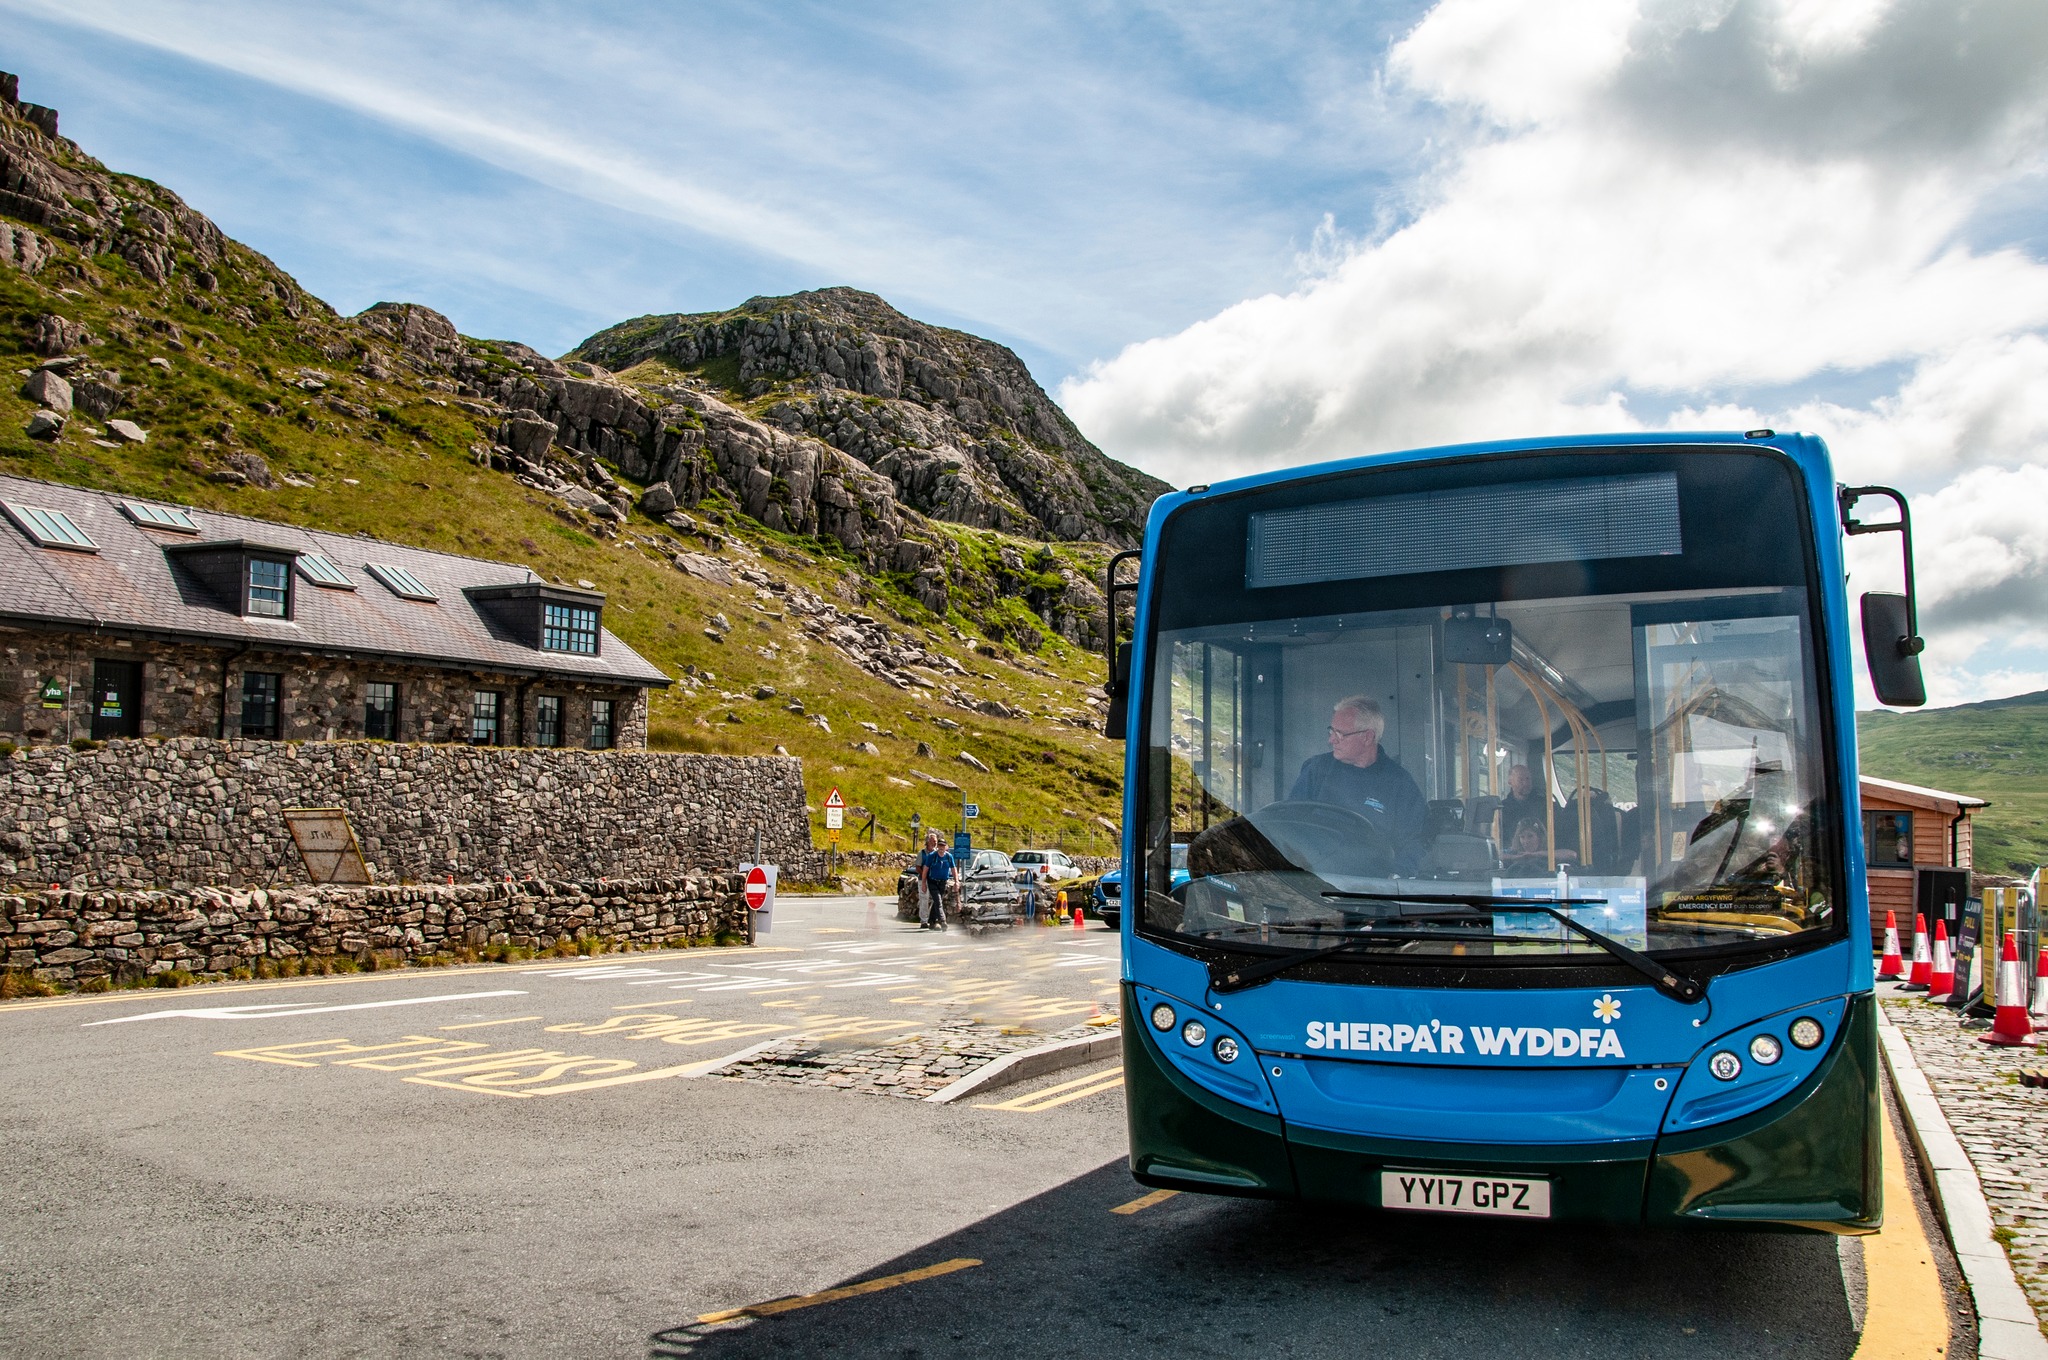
(131, 584)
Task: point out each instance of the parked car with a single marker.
(1047, 866)
(1109, 889)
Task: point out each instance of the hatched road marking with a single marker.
(790, 1305)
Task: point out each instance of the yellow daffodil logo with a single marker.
(1606, 1008)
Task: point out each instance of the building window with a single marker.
(380, 710)
(483, 718)
(601, 735)
(259, 704)
(270, 588)
(569, 628)
(547, 720)
(1888, 839)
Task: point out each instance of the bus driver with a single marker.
(1358, 775)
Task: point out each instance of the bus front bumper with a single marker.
(1807, 1161)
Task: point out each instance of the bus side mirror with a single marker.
(1119, 691)
(1117, 685)
(1479, 642)
(1891, 624)
(1892, 651)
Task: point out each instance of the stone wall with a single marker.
(194, 812)
(320, 696)
(74, 936)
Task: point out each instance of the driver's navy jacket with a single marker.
(1382, 792)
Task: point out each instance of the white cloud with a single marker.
(1675, 205)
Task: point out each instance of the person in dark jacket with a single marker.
(1358, 775)
(1522, 804)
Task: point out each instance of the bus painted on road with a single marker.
(1517, 790)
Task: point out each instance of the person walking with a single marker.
(935, 873)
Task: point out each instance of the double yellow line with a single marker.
(1079, 1088)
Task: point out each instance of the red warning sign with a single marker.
(757, 887)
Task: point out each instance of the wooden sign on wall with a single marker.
(327, 844)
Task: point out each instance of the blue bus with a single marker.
(1516, 785)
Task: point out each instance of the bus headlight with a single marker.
(1226, 1049)
(1162, 1017)
(1806, 1032)
(1725, 1065)
(1765, 1049)
(1194, 1031)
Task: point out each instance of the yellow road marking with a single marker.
(1906, 1316)
(486, 1024)
(1077, 1089)
(1145, 1201)
(790, 1305)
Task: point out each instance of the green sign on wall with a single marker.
(53, 694)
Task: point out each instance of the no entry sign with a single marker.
(758, 893)
(757, 887)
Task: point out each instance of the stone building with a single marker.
(124, 617)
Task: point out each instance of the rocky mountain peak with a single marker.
(954, 421)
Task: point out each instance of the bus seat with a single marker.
(1479, 815)
(1446, 817)
(1459, 856)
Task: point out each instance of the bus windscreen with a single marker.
(1645, 750)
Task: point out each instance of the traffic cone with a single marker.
(1941, 975)
(1923, 961)
(2010, 1027)
(1080, 923)
(2039, 1009)
(1892, 967)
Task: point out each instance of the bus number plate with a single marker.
(1506, 1196)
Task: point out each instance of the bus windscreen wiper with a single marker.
(1674, 985)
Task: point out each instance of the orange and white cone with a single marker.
(1893, 966)
(2039, 1010)
(2010, 1027)
(1941, 974)
(1923, 961)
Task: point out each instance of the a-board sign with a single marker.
(327, 845)
(835, 811)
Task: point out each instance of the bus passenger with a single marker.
(1524, 855)
(1358, 775)
(1521, 804)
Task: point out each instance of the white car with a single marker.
(1045, 866)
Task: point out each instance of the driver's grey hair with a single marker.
(1365, 712)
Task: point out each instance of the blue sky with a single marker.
(1067, 183)
(1227, 237)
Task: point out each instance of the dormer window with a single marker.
(545, 617)
(270, 589)
(568, 628)
(253, 579)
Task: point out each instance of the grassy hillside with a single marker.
(1996, 751)
(369, 446)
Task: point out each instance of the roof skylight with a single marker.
(48, 528)
(401, 582)
(159, 517)
(322, 572)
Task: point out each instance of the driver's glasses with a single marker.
(1339, 734)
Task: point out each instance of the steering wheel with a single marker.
(1327, 839)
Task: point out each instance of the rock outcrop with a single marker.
(954, 421)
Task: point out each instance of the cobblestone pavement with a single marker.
(911, 1068)
(2002, 1125)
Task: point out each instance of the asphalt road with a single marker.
(522, 1160)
